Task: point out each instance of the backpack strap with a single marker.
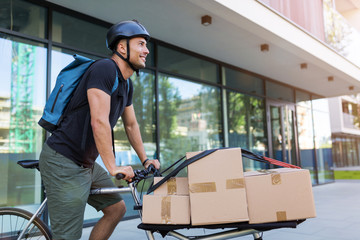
(116, 83)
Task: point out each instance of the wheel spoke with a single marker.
(13, 221)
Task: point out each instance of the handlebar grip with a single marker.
(153, 170)
(119, 176)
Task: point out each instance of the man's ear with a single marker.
(122, 47)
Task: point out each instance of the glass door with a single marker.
(282, 134)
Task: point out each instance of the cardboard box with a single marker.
(216, 187)
(169, 209)
(279, 195)
(174, 186)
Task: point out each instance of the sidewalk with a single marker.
(338, 218)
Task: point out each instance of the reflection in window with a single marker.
(22, 97)
(246, 124)
(280, 92)
(78, 33)
(306, 137)
(144, 106)
(302, 98)
(184, 64)
(323, 143)
(243, 82)
(24, 17)
(351, 116)
(190, 118)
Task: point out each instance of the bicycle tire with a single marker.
(14, 220)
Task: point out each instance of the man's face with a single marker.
(138, 52)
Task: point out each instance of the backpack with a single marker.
(66, 83)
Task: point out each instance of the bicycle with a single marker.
(30, 226)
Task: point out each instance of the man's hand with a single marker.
(126, 170)
(154, 162)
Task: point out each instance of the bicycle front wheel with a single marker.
(14, 220)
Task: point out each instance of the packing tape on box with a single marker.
(281, 216)
(266, 171)
(171, 186)
(235, 183)
(202, 187)
(275, 179)
(166, 209)
(275, 176)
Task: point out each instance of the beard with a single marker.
(137, 63)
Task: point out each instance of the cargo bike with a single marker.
(17, 223)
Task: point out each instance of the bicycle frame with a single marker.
(216, 236)
(38, 213)
(131, 188)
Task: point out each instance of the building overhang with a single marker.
(237, 31)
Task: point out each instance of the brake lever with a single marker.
(154, 171)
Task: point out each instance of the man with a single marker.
(67, 161)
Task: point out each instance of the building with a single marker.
(254, 74)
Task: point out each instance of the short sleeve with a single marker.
(101, 75)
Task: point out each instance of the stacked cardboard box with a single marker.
(279, 195)
(170, 203)
(217, 189)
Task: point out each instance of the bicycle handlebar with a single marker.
(140, 174)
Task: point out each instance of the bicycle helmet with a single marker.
(125, 30)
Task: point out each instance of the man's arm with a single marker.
(99, 103)
(133, 133)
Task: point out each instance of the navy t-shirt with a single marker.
(74, 138)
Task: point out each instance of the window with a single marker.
(23, 17)
(280, 92)
(323, 143)
(79, 33)
(144, 106)
(246, 126)
(184, 64)
(190, 118)
(243, 82)
(306, 137)
(22, 97)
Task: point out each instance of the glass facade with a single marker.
(243, 82)
(346, 150)
(247, 126)
(306, 133)
(323, 143)
(22, 94)
(185, 64)
(23, 17)
(279, 92)
(183, 102)
(78, 33)
(189, 117)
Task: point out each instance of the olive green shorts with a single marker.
(67, 188)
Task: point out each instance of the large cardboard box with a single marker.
(216, 187)
(279, 195)
(173, 186)
(169, 209)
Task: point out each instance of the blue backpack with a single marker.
(66, 83)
